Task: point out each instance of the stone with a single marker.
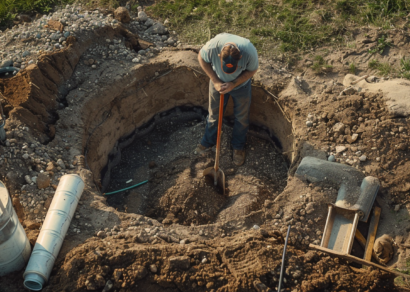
(6, 63)
(353, 138)
(396, 208)
(50, 166)
(149, 22)
(260, 287)
(28, 179)
(340, 149)
(101, 234)
(153, 268)
(331, 158)
(363, 158)
(117, 275)
(297, 274)
(122, 15)
(43, 180)
(309, 124)
(142, 16)
(108, 286)
(349, 91)
(180, 262)
(310, 208)
(56, 25)
(60, 163)
(338, 127)
(157, 28)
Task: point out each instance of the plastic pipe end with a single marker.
(33, 282)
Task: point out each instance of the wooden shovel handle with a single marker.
(218, 138)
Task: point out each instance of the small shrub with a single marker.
(373, 64)
(405, 64)
(382, 44)
(352, 68)
(319, 65)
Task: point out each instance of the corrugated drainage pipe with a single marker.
(53, 231)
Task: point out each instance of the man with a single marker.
(230, 61)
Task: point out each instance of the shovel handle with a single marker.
(218, 138)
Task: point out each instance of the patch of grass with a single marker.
(286, 25)
(373, 64)
(319, 65)
(384, 69)
(405, 68)
(9, 9)
(352, 68)
(382, 44)
(405, 64)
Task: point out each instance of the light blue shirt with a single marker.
(211, 50)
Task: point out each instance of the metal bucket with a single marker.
(14, 245)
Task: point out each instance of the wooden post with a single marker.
(374, 223)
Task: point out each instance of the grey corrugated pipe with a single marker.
(53, 231)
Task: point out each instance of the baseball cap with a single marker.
(229, 64)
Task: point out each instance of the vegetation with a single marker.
(386, 69)
(287, 26)
(352, 68)
(320, 66)
(272, 25)
(9, 9)
(382, 44)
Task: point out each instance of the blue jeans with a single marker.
(242, 101)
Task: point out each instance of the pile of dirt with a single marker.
(245, 262)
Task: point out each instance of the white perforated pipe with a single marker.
(53, 231)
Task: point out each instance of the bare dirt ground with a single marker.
(178, 233)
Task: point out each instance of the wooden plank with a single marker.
(374, 223)
(360, 238)
(349, 257)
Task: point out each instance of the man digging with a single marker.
(230, 61)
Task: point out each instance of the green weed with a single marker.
(385, 69)
(373, 64)
(405, 64)
(352, 68)
(405, 68)
(9, 9)
(382, 44)
(319, 65)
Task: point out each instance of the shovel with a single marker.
(215, 172)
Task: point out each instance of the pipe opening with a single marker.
(33, 285)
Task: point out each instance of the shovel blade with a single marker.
(218, 177)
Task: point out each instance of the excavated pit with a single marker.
(149, 132)
(177, 191)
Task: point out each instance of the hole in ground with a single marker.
(176, 191)
(127, 105)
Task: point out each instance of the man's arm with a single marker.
(210, 72)
(229, 86)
